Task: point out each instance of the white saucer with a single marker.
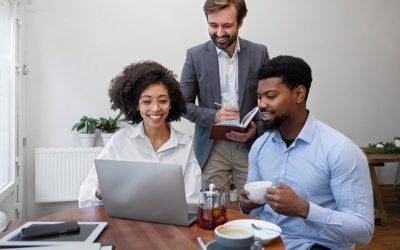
(264, 235)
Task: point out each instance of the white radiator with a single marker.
(59, 172)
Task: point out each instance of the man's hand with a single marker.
(283, 200)
(245, 203)
(98, 193)
(243, 137)
(226, 113)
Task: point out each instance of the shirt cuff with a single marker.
(257, 212)
(318, 214)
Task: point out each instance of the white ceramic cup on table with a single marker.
(257, 190)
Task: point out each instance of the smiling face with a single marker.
(223, 27)
(151, 99)
(277, 102)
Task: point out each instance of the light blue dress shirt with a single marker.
(329, 171)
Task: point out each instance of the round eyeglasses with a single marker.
(148, 103)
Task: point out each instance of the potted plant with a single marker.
(86, 128)
(108, 127)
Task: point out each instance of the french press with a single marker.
(211, 211)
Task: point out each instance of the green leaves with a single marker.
(109, 125)
(88, 123)
(388, 148)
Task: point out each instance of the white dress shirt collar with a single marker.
(306, 133)
(173, 141)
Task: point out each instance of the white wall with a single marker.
(73, 48)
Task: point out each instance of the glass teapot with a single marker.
(211, 211)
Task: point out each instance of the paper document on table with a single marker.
(88, 233)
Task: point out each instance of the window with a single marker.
(7, 94)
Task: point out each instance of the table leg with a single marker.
(378, 201)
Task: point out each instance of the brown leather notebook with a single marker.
(218, 131)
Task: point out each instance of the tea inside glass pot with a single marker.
(211, 211)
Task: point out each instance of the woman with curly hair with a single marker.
(149, 95)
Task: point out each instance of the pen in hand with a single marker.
(218, 104)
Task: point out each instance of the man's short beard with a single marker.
(273, 124)
(231, 40)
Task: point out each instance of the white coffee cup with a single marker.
(257, 190)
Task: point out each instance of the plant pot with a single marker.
(397, 142)
(105, 137)
(87, 140)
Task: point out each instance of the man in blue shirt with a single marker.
(322, 194)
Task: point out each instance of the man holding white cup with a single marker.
(322, 193)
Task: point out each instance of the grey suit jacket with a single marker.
(200, 78)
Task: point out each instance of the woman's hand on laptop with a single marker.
(98, 193)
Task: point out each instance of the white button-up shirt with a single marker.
(229, 76)
(132, 144)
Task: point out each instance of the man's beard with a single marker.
(275, 123)
(226, 45)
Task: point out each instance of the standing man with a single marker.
(322, 198)
(222, 71)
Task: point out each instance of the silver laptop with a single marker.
(153, 192)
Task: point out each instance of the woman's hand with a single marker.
(98, 193)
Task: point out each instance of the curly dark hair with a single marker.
(127, 87)
(293, 71)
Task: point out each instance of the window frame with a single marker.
(12, 185)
